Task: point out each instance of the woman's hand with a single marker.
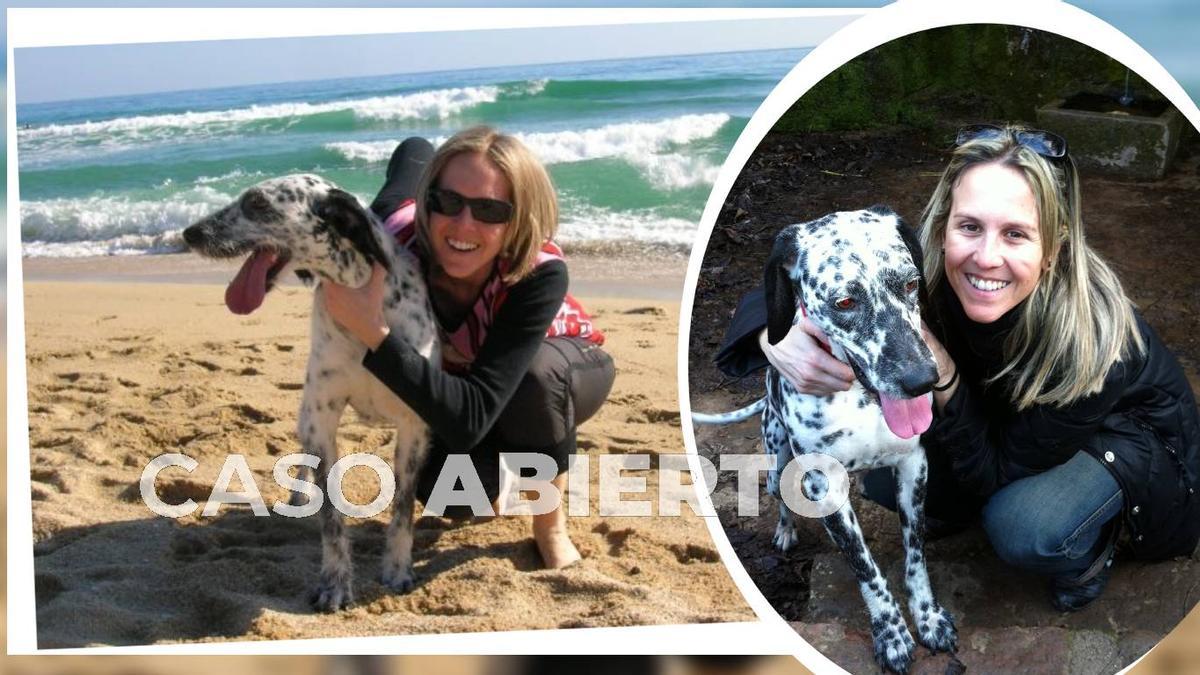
(947, 369)
(800, 358)
(359, 310)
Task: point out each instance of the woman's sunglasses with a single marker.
(1044, 143)
(450, 203)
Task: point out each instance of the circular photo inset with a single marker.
(952, 299)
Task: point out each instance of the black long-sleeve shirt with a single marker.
(991, 444)
(461, 409)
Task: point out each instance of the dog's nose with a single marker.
(193, 235)
(919, 381)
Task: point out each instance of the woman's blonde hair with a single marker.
(1077, 322)
(535, 205)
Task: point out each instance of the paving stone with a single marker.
(1093, 651)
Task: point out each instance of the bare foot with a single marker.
(550, 533)
(555, 546)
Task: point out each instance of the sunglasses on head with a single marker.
(450, 203)
(1044, 143)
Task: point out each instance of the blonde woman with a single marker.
(522, 364)
(1059, 412)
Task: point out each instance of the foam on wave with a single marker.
(591, 225)
(645, 145)
(98, 219)
(430, 104)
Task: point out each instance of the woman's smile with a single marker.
(986, 285)
(460, 245)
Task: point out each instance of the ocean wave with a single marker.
(237, 175)
(130, 244)
(529, 88)
(372, 152)
(591, 225)
(113, 225)
(653, 88)
(120, 226)
(652, 147)
(99, 219)
(430, 104)
(583, 229)
(627, 139)
(363, 151)
(436, 104)
(675, 171)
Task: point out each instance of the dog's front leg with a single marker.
(935, 626)
(296, 497)
(412, 445)
(318, 436)
(893, 643)
(775, 444)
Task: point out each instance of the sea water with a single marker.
(633, 145)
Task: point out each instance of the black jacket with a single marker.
(461, 410)
(1143, 426)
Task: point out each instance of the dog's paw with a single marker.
(935, 627)
(332, 594)
(893, 645)
(297, 498)
(399, 578)
(785, 536)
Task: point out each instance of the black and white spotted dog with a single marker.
(306, 224)
(855, 274)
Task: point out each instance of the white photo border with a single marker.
(84, 26)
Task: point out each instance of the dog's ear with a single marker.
(913, 244)
(777, 282)
(882, 210)
(341, 211)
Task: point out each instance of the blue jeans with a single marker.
(1054, 523)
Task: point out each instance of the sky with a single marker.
(1166, 28)
(63, 73)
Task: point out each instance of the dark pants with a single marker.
(566, 384)
(403, 174)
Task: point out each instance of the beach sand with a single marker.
(134, 358)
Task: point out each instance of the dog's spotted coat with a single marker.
(854, 275)
(306, 224)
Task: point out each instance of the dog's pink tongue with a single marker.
(907, 417)
(247, 290)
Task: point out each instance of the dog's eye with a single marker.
(256, 202)
(912, 286)
(844, 303)
(257, 207)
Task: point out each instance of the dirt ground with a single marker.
(1149, 232)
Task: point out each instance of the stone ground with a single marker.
(1005, 621)
(1150, 232)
